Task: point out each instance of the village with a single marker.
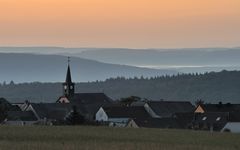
(100, 110)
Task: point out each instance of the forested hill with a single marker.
(210, 87)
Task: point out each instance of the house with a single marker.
(213, 121)
(120, 115)
(89, 102)
(165, 109)
(203, 108)
(219, 117)
(233, 124)
(164, 114)
(147, 108)
(20, 118)
(49, 113)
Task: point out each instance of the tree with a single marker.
(11, 83)
(129, 100)
(4, 107)
(74, 117)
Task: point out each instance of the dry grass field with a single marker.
(104, 138)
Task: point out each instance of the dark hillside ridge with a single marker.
(210, 87)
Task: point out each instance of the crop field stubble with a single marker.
(106, 138)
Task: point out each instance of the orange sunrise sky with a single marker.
(120, 23)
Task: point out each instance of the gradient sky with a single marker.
(120, 23)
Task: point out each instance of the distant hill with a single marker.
(182, 60)
(22, 67)
(185, 60)
(210, 87)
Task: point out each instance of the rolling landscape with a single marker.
(119, 75)
(115, 72)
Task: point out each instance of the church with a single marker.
(88, 103)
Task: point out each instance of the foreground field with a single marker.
(103, 138)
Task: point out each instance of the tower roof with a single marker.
(68, 76)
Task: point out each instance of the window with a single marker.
(218, 118)
(204, 118)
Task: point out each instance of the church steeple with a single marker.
(68, 76)
(68, 85)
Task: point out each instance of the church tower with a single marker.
(68, 85)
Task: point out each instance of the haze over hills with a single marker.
(24, 67)
(183, 60)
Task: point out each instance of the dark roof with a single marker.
(68, 76)
(126, 112)
(90, 98)
(56, 111)
(234, 117)
(211, 117)
(169, 108)
(90, 102)
(14, 108)
(21, 116)
(157, 123)
(221, 107)
(215, 119)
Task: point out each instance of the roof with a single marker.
(158, 123)
(138, 103)
(169, 108)
(216, 120)
(54, 111)
(126, 112)
(212, 117)
(68, 76)
(90, 98)
(221, 107)
(234, 117)
(90, 102)
(21, 116)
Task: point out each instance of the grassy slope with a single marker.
(100, 138)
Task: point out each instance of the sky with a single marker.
(120, 23)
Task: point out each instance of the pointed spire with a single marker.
(69, 61)
(68, 77)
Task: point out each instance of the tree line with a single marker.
(210, 87)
